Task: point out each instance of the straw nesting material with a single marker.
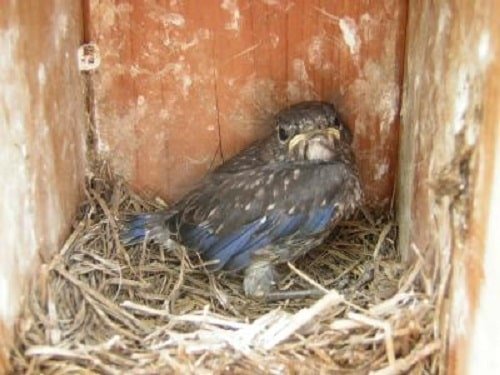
(100, 308)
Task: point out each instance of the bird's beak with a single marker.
(331, 133)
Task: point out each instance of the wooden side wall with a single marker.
(449, 152)
(185, 84)
(42, 140)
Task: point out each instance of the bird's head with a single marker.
(309, 116)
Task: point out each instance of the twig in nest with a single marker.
(389, 343)
(174, 293)
(300, 319)
(92, 292)
(307, 278)
(381, 239)
(403, 365)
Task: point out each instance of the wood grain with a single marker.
(42, 142)
(184, 84)
(450, 123)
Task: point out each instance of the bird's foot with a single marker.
(260, 283)
(259, 279)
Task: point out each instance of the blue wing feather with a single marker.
(197, 236)
(231, 244)
(289, 224)
(318, 220)
(239, 261)
(234, 250)
(277, 226)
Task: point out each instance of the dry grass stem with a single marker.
(98, 307)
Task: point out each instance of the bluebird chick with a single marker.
(270, 204)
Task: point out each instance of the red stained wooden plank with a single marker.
(182, 81)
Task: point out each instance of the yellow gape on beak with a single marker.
(329, 132)
(335, 133)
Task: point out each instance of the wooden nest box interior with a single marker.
(163, 91)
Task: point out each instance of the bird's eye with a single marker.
(282, 134)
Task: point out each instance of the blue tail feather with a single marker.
(137, 227)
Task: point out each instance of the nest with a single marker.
(100, 308)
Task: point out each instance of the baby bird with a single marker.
(268, 205)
